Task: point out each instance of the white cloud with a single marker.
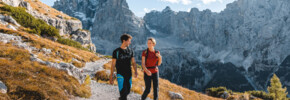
(198, 5)
(185, 2)
(210, 1)
(171, 1)
(147, 10)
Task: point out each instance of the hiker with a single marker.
(151, 59)
(122, 58)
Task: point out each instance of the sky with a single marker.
(141, 7)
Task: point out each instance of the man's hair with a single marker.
(152, 39)
(125, 37)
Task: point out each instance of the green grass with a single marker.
(72, 43)
(37, 26)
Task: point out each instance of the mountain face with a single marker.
(240, 47)
(70, 28)
(106, 19)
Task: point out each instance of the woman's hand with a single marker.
(148, 72)
(158, 55)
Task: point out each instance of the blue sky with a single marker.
(140, 7)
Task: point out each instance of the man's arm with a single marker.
(112, 70)
(134, 66)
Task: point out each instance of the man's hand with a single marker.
(111, 79)
(136, 74)
(112, 71)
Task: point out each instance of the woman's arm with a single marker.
(159, 59)
(144, 67)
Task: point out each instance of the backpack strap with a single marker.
(117, 54)
(146, 56)
(156, 57)
(146, 52)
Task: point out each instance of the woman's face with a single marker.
(150, 44)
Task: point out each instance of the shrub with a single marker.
(72, 43)
(217, 91)
(261, 94)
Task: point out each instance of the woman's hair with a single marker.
(152, 39)
(125, 37)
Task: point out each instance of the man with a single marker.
(122, 58)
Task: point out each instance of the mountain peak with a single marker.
(167, 8)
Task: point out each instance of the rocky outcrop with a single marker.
(66, 27)
(84, 37)
(14, 3)
(9, 22)
(5, 19)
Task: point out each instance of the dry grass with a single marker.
(59, 53)
(78, 64)
(45, 9)
(107, 66)
(102, 75)
(4, 97)
(30, 80)
(164, 87)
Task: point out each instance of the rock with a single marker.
(73, 59)
(46, 51)
(175, 96)
(3, 88)
(26, 5)
(59, 16)
(252, 97)
(14, 3)
(84, 37)
(64, 65)
(225, 95)
(5, 19)
(11, 27)
(10, 19)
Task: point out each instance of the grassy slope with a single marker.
(31, 80)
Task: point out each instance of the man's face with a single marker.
(128, 42)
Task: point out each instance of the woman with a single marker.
(150, 60)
